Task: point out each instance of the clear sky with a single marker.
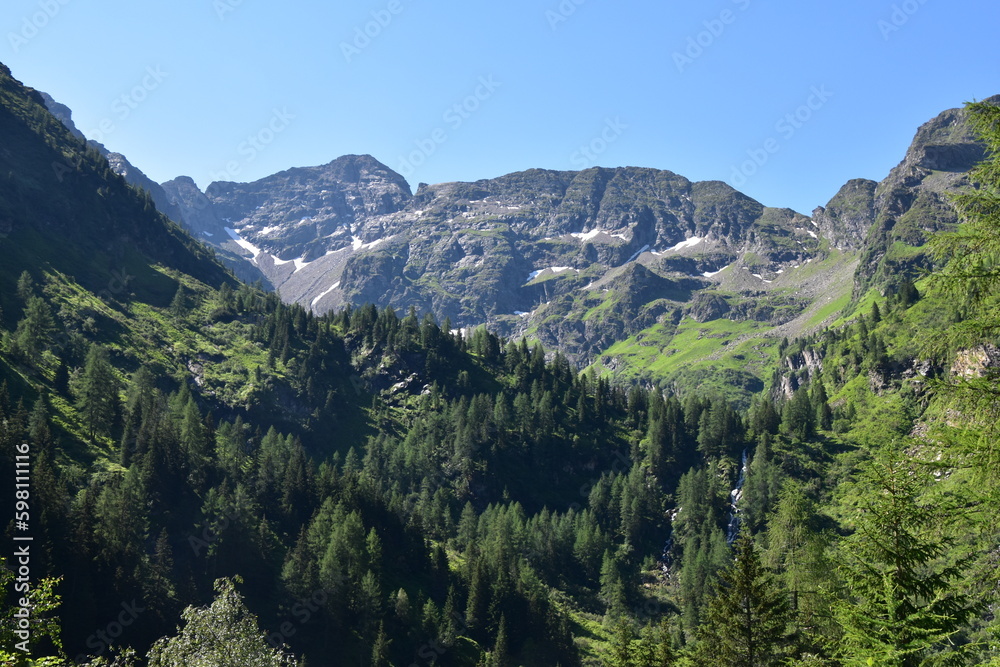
(245, 88)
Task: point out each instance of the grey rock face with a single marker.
(846, 218)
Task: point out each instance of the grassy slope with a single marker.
(735, 358)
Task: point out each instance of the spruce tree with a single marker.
(178, 305)
(746, 623)
(621, 652)
(903, 600)
(970, 280)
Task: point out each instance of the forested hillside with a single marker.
(218, 478)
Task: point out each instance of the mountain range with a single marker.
(605, 265)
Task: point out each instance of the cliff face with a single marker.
(912, 202)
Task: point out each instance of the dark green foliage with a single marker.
(96, 393)
(746, 623)
(34, 331)
(902, 596)
(798, 418)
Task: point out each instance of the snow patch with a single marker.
(241, 242)
(553, 269)
(586, 236)
(317, 299)
(358, 244)
(709, 274)
(208, 234)
(689, 243)
(813, 234)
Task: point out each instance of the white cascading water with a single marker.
(734, 498)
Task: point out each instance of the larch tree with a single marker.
(97, 393)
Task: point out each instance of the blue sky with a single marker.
(786, 100)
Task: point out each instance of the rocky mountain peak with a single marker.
(846, 218)
(913, 201)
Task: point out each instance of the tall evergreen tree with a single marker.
(34, 331)
(746, 623)
(903, 599)
(97, 393)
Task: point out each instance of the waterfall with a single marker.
(734, 498)
(666, 558)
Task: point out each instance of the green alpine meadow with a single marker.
(600, 417)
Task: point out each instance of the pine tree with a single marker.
(902, 600)
(746, 623)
